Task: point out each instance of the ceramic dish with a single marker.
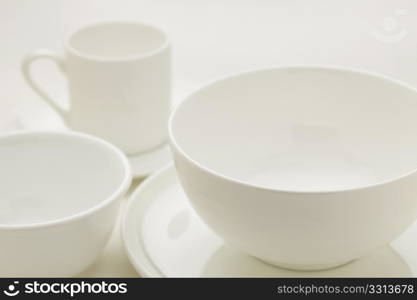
(59, 201)
(164, 237)
(119, 83)
(304, 167)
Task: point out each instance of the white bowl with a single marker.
(59, 199)
(303, 167)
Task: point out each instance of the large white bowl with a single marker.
(59, 199)
(302, 167)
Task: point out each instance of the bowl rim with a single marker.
(306, 67)
(78, 136)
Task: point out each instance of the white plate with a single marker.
(39, 117)
(165, 238)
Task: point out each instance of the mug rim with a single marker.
(122, 187)
(81, 54)
(317, 67)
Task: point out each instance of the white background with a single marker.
(212, 38)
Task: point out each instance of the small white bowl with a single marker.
(303, 167)
(59, 200)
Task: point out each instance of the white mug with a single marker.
(119, 83)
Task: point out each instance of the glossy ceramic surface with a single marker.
(60, 197)
(164, 237)
(302, 167)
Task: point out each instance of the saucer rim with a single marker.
(140, 260)
(164, 147)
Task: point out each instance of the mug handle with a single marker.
(26, 65)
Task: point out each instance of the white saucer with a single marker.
(145, 163)
(165, 238)
(38, 116)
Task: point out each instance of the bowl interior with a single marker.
(301, 129)
(46, 177)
